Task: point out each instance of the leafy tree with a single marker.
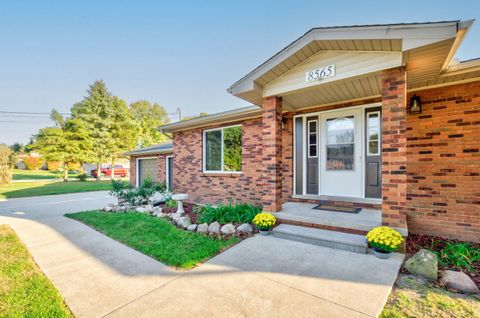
(148, 117)
(17, 147)
(6, 164)
(96, 114)
(123, 130)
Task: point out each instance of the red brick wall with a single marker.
(161, 164)
(219, 188)
(443, 153)
(394, 151)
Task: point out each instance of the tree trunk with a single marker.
(65, 172)
(112, 170)
(99, 171)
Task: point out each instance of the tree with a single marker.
(148, 117)
(6, 164)
(17, 147)
(124, 131)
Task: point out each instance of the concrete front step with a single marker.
(338, 240)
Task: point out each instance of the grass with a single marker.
(19, 174)
(413, 298)
(24, 290)
(37, 188)
(155, 237)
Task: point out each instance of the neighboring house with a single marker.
(379, 117)
(154, 162)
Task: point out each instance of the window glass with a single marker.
(213, 150)
(340, 143)
(232, 149)
(373, 134)
(312, 139)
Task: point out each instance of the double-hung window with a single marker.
(222, 149)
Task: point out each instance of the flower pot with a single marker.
(265, 232)
(379, 253)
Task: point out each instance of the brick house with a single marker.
(376, 117)
(154, 162)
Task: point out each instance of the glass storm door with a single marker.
(341, 154)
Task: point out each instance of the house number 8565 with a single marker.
(320, 73)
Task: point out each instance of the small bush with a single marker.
(82, 177)
(123, 190)
(223, 214)
(53, 165)
(5, 164)
(461, 256)
(171, 203)
(32, 163)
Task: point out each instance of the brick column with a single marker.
(133, 171)
(394, 149)
(272, 154)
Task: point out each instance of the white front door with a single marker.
(341, 153)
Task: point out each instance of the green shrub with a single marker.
(53, 165)
(459, 255)
(171, 203)
(82, 177)
(32, 163)
(123, 190)
(5, 164)
(223, 214)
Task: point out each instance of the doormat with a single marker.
(334, 208)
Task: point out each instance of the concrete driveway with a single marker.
(260, 277)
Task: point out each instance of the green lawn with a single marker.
(37, 188)
(155, 237)
(412, 298)
(24, 290)
(19, 174)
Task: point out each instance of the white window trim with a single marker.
(167, 172)
(316, 138)
(137, 171)
(204, 144)
(379, 133)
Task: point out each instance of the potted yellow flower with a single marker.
(264, 222)
(384, 240)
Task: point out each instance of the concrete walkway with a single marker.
(260, 277)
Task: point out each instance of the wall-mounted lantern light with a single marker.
(415, 105)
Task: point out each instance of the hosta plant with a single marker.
(385, 238)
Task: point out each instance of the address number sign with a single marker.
(320, 73)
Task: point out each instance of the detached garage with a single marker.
(154, 162)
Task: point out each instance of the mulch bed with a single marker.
(190, 210)
(416, 242)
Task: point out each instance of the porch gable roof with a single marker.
(391, 44)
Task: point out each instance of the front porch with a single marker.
(304, 214)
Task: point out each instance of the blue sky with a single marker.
(177, 53)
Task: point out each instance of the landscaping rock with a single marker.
(140, 210)
(149, 208)
(121, 209)
(157, 210)
(245, 228)
(192, 227)
(214, 228)
(228, 229)
(108, 208)
(424, 264)
(202, 228)
(459, 281)
(183, 221)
